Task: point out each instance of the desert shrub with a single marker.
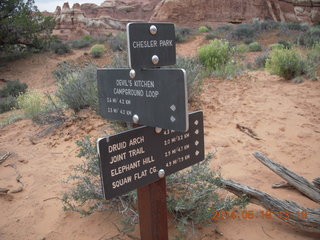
(13, 52)
(11, 119)
(203, 29)
(97, 50)
(255, 47)
(64, 69)
(80, 43)
(293, 26)
(33, 103)
(267, 25)
(312, 63)
(216, 54)
(285, 44)
(229, 70)
(314, 53)
(275, 46)
(195, 74)
(298, 79)
(224, 28)
(211, 36)
(260, 61)
(59, 47)
(7, 103)
(248, 41)
(182, 34)
(242, 48)
(87, 37)
(13, 88)
(77, 88)
(191, 197)
(118, 61)
(118, 42)
(285, 63)
(243, 31)
(310, 37)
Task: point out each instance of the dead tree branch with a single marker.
(310, 223)
(298, 182)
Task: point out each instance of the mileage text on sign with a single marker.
(133, 158)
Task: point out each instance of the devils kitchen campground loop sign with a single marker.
(153, 97)
(132, 159)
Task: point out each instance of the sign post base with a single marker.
(152, 205)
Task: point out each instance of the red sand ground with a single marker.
(286, 116)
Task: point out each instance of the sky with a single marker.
(50, 5)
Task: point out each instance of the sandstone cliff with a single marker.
(198, 12)
(115, 14)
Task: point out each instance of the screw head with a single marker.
(132, 73)
(161, 173)
(158, 130)
(155, 59)
(135, 119)
(153, 29)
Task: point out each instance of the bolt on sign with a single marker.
(143, 155)
(151, 45)
(153, 97)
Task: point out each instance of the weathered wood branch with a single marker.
(316, 182)
(248, 131)
(298, 182)
(287, 211)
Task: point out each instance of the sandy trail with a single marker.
(285, 116)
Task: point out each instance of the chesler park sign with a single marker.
(151, 45)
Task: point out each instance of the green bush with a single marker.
(203, 29)
(243, 31)
(312, 63)
(59, 47)
(293, 26)
(285, 63)
(285, 44)
(33, 103)
(310, 37)
(77, 87)
(182, 34)
(260, 61)
(242, 48)
(7, 103)
(81, 43)
(228, 71)
(267, 25)
(87, 38)
(224, 28)
(118, 42)
(195, 74)
(192, 195)
(276, 46)
(255, 47)
(215, 55)
(211, 36)
(248, 41)
(97, 50)
(13, 88)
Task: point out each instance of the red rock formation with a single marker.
(198, 12)
(99, 20)
(114, 14)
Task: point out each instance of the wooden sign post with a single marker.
(140, 158)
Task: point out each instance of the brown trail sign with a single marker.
(142, 157)
(134, 158)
